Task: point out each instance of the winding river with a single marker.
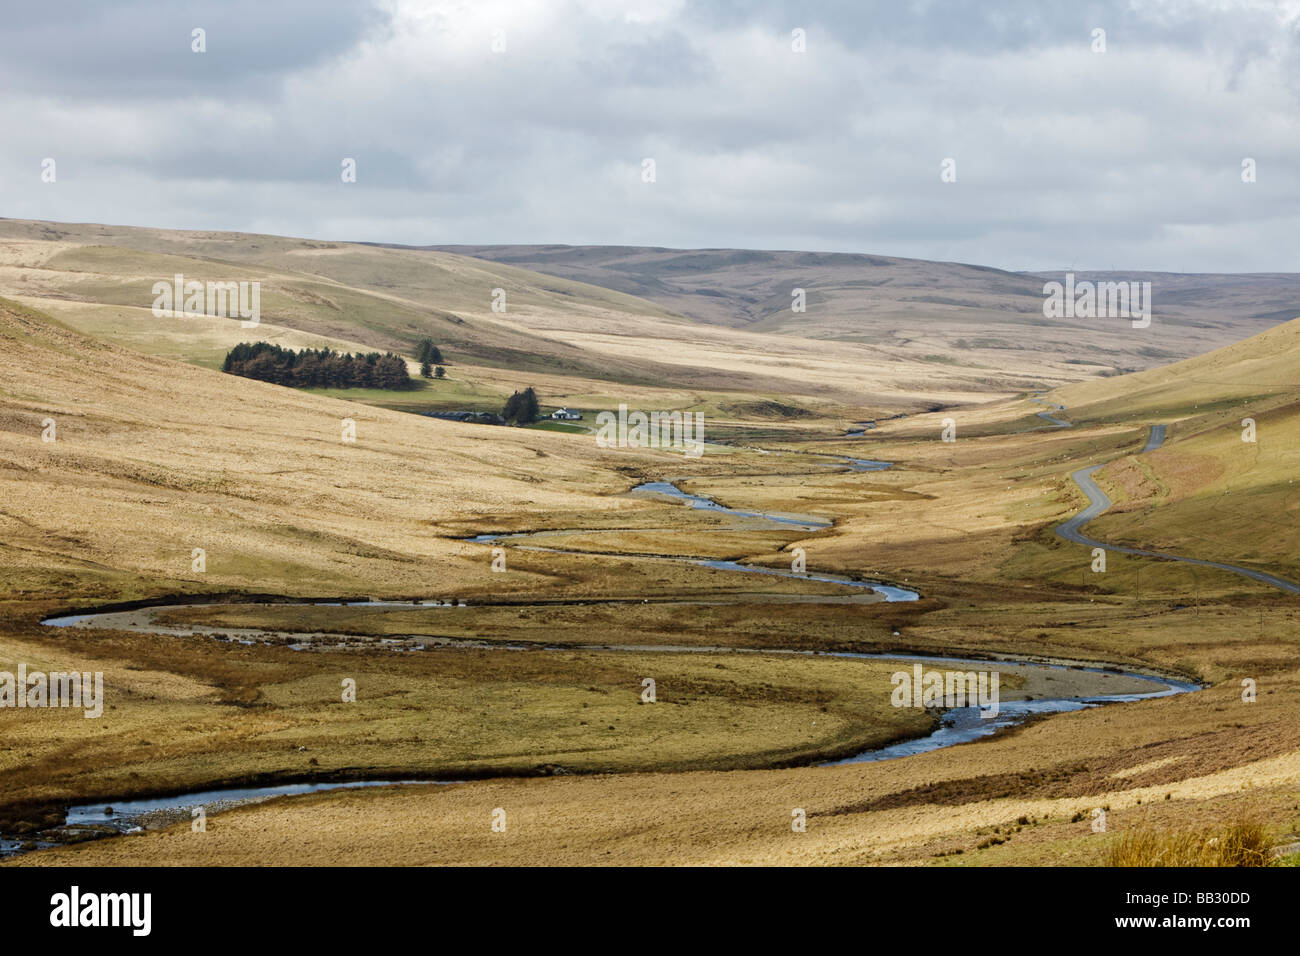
(956, 725)
(669, 489)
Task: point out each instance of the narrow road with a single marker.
(1052, 418)
(1099, 501)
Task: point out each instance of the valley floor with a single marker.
(555, 733)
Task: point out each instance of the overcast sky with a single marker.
(1129, 158)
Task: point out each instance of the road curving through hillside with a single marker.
(1099, 502)
(1056, 422)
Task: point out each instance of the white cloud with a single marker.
(1065, 157)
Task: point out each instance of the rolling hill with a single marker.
(149, 458)
(941, 308)
(576, 342)
(1208, 492)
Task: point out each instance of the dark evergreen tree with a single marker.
(521, 407)
(426, 351)
(511, 412)
(529, 409)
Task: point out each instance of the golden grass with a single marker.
(182, 713)
(257, 476)
(570, 338)
(1254, 369)
(155, 458)
(677, 819)
(1244, 843)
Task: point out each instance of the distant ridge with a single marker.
(892, 300)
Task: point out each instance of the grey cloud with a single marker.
(97, 51)
(1127, 159)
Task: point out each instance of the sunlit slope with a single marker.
(1259, 369)
(1208, 493)
(152, 459)
(197, 339)
(99, 280)
(458, 283)
(385, 299)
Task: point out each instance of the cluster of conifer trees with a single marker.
(430, 356)
(316, 368)
(325, 368)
